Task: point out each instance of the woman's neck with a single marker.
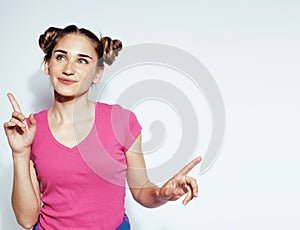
(69, 110)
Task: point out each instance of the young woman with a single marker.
(71, 160)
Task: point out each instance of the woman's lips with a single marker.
(66, 81)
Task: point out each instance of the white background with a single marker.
(251, 48)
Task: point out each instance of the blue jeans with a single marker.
(125, 225)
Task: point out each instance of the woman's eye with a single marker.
(82, 61)
(60, 57)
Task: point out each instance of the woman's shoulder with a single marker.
(103, 106)
(115, 112)
(41, 114)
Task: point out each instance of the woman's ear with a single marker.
(98, 75)
(46, 68)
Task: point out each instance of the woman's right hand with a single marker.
(20, 136)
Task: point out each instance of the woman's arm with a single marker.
(26, 194)
(148, 194)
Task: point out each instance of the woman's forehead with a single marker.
(76, 44)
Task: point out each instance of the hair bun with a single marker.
(48, 37)
(111, 49)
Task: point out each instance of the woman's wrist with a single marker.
(21, 155)
(159, 197)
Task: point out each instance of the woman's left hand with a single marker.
(181, 184)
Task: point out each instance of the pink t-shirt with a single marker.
(84, 187)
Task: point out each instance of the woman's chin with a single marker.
(63, 95)
(67, 96)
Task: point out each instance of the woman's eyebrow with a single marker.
(84, 55)
(61, 51)
(80, 55)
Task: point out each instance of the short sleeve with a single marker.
(126, 126)
(133, 130)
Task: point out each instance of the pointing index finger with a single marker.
(190, 166)
(14, 103)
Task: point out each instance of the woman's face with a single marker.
(73, 66)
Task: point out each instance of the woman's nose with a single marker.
(69, 68)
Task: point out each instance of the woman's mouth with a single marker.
(66, 81)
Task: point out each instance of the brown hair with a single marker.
(106, 48)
